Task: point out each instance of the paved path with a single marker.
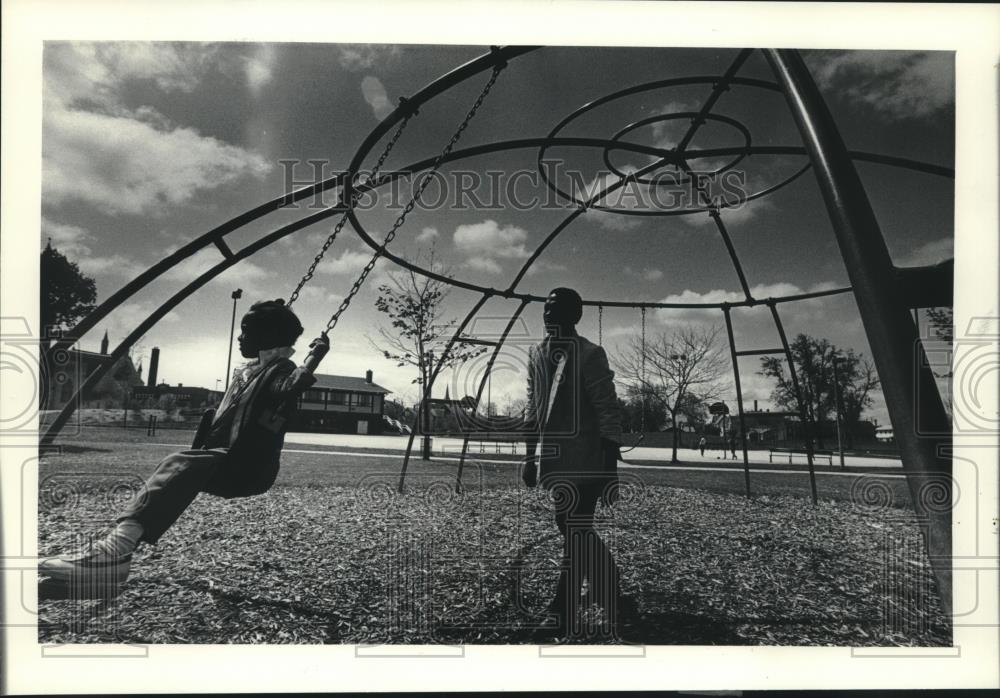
(444, 445)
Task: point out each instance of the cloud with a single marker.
(108, 161)
(203, 260)
(376, 97)
(126, 318)
(427, 234)
(70, 240)
(489, 239)
(647, 274)
(116, 264)
(349, 262)
(615, 222)
(715, 296)
(122, 160)
(483, 264)
(897, 84)
(259, 68)
(540, 266)
(734, 215)
(668, 133)
(929, 253)
(319, 294)
(356, 57)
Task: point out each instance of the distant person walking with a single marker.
(701, 446)
(732, 446)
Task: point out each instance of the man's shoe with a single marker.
(92, 570)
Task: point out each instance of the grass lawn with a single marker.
(332, 554)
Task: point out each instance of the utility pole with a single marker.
(237, 294)
(836, 400)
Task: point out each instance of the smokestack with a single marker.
(368, 376)
(104, 343)
(754, 405)
(154, 362)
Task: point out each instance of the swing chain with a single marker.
(642, 418)
(355, 195)
(424, 182)
(600, 325)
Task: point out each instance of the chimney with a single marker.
(368, 376)
(104, 343)
(755, 406)
(154, 363)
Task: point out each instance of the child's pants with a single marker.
(179, 478)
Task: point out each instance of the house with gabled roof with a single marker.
(342, 405)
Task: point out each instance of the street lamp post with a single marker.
(836, 400)
(237, 294)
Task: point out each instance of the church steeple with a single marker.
(104, 343)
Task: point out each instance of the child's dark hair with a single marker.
(274, 322)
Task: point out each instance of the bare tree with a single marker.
(417, 334)
(681, 369)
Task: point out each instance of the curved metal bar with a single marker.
(739, 397)
(482, 385)
(807, 424)
(202, 241)
(430, 383)
(154, 317)
(717, 89)
(738, 125)
(445, 82)
(208, 238)
(719, 84)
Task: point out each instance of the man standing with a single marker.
(575, 425)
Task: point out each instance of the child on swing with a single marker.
(235, 454)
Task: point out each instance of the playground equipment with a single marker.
(884, 295)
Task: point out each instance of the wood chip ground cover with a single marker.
(335, 555)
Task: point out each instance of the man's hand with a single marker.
(612, 454)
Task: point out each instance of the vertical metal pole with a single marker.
(921, 426)
(237, 294)
(430, 383)
(426, 441)
(836, 402)
(482, 382)
(739, 398)
(803, 412)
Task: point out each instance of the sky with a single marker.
(149, 145)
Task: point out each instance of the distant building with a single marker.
(342, 405)
(885, 434)
(764, 425)
(180, 396)
(67, 371)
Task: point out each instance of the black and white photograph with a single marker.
(417, 347)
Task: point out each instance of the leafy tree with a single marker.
(813, 357)
(641, 415)
(417, 335)
(66, 293)
(943, 322)
(681, 370)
